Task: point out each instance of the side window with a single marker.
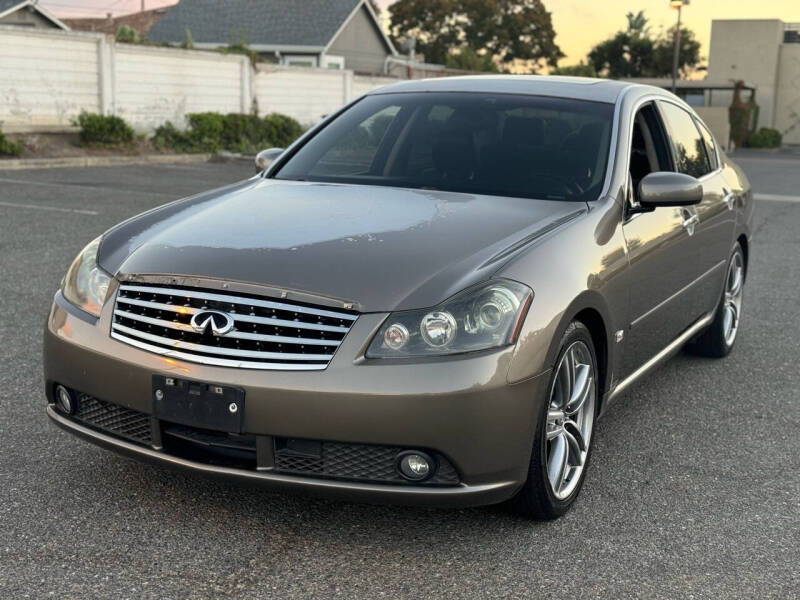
(649, 148)
(688, 145)
(711, 149)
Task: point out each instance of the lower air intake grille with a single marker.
(358, 462)
(231, 330)
(117, 420)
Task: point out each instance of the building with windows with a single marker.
(764, 53)
(328, 34)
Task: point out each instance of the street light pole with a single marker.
(677, 49)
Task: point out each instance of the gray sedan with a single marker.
(428, 298)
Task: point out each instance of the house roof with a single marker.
(9, 6)
(6, 4)
(262, 24)
(142, 22)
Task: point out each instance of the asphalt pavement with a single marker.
(693, 490)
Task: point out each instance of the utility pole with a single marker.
(142, 5)
(679, 4)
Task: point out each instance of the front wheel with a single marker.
(718, 339)
(563, 439)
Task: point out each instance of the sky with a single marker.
(579, 24)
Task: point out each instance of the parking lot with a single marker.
(693, 490)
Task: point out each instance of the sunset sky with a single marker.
(579, 24)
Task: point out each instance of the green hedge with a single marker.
(211, 132)
(103, 130)
(765, 138)
(9, 148)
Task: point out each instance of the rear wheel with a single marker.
(563, 440)
(718, 339)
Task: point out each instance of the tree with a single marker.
(636, 53)
(664, 49)
(506, 30)
(469, 60)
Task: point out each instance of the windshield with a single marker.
(504, 145)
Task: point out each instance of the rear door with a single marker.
(711, 238)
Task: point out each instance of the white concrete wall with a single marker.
(303, 93)
(153, 85)
(47, 78)
(365, 83)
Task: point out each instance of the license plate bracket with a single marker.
(198, 404)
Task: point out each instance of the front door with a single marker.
(661, 250)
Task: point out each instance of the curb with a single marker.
(100, 161)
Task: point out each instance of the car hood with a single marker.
(380, 248)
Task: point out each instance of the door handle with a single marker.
(689, 222)
(730, 200)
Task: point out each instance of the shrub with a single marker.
(205, 131)
(9, 148)
(169, 137)
(211, 132)
(285, 130)
(103, 130)
(128, 35)
(765, 138)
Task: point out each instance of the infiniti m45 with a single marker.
(429, 298)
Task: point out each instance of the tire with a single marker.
(719, 338)
(545, 494)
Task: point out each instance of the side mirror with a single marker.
(266, 157)
(669, 189)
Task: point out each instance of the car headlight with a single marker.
(85, 285)
(485, 317)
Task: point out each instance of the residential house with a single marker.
(333, 34)
(28, 13)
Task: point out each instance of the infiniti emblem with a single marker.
(218, 322)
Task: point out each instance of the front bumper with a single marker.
(461, 408)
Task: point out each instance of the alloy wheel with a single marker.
(570, 418)
(732, 307)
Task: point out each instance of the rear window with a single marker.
(690, 149)
(711, 149)
(505, 145)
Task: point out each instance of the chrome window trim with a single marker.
(637, 105)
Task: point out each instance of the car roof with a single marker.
(577, 88)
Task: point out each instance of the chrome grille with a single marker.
(267, 334)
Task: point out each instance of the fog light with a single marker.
(415, 465)
(64, 400)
